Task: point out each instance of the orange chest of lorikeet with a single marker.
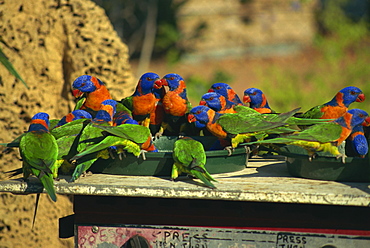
(174, 104)
(143, 104)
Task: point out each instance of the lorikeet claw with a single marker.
(247, 149)
(157, 136)
(111, 153)
(343, 157)
(312, 156)
(230, 150)
(142, 153)
(122, 155)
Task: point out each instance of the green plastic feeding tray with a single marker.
(325, 166)
(160, 163)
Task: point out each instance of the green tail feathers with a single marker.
(48, 183)
(203, 178)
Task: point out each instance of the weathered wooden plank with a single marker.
(264, 180)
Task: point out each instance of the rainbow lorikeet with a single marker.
(226, 90)
(337, 106)
(91, 135)
(190, 158)
(218, 103)
(356, 143)
(92, 92)
(325, 136)
(175, 103)
(236, 127)
(39, 151)
(257, 100)
(143, 101)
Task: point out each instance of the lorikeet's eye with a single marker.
(218, 87)
(149, 79)
(353, 93)
(172, 78)
(361, 115)
(198, 112)
(83, 84)
(211, 98)
(254, 93)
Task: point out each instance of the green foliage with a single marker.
(167, 36)
(8, 65)
(341, 31)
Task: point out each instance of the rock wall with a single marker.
(50, 43)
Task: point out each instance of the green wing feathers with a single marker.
(107, 142)
(136, 133)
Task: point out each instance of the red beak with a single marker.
(77, 93)
(360, 98)
(191, 118)
(158, 84)
(366, 122)
(246, 99)
(202, 102)
(164, 82)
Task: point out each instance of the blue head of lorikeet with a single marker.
(39, 123)
(199, 116)
(226, 90)
(357, 144)
(353, 118)
(85, 84)
(256, 98)
(147, 83)
(347, 96)
(172, 80)
(175, 83)
(216, 101)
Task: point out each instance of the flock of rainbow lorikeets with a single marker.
(101, 127)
